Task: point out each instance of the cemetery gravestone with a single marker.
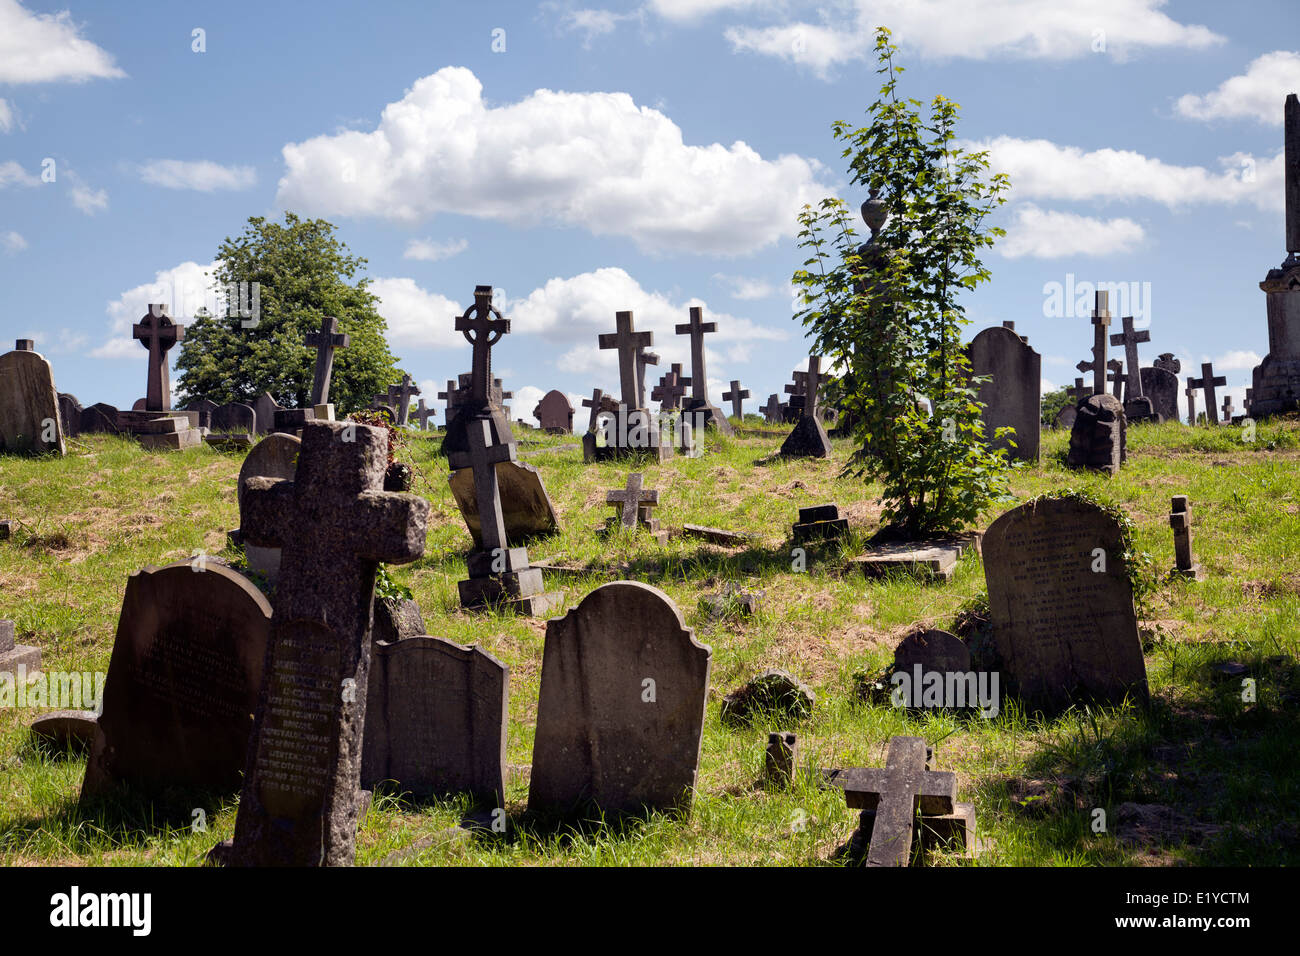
(819, 523)
(672, 386)
(737, 398)
(29, 404)
(300, 798)
(204, 407)
(70, 412)
(1013, 394)
(554, 413)
(809, 438)
(158, 333)
(275, 457)
(525, 505)
(633, 430)
(436, 717)
(621, 711)
(708, 415)
(1100, 340)
(264, 408)
(182, 681)
(399, 396)
(325, 341)
(1160, 385)
(1062, 605)
(1207, 382)
(643, 359)
(482, 325)
(773, 411)
(423, 414)
(1115, 375)
(1099, 438)
(232, 423)
(14, 655)
(1180, 520)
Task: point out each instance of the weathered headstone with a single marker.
(205, 407)
(300, 798)
(70, 412)
(400, 395)
(265, 407)
(773, 411)
(158, 333)
(1180, 520)
(232, 421)
(781, 758)
(1012, 396)
(525, 505)
(436, 716)
(1062, 605)
(1099, 436)
(275, 457)
(1066, 416)
(100, 419)
(325, 341)
(819, 523)
(706, 413)
(620, 715)
(182, 682)
(1275, 382)
(809, 438)
(554, 413)
(1160, 385)
(737, 398)
(29, 404)
(933, 651)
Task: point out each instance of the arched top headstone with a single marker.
(275, 456)
(1013, 395)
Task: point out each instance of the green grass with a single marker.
(1224, 768)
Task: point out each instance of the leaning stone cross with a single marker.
(399, 396)
(1130, 338)
(696, 329)
(737, 399)
(594, 403)
(628, 342)
(483, 458)
(334, 523)
(643, 359)
(158, 333)
(1208, 381)
(325, 342)
(631, 499)
(896, 793)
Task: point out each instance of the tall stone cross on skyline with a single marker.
(1100, 323)
(482, 325)
(334, 524)
(737, 398)
(1207, 382)
(813, 385)
(628, 342)
(325, 341)
(1130, 338)
(696, 329)
(158, 333)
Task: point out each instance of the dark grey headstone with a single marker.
(1062, 610)
(621, 710)
(70, 412)
(29, 405)
(1161, 386)
(1099, 436)
(436, 720)
(182, 681)
(233, 418)
(525, 505)
(1013, 395)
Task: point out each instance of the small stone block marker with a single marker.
(895, 795)
(1180, 519)
(182, 681)
(620, 715)
(819, 523)
(436, 716)
(334, 524)
(1061, 605)
(780, 758)
(14, 656)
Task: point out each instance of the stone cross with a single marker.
(737, 399)
(482, 331)
(594, 404)
(672, 386)
(1115, 373)
(643, 359)
(1080, 391)
(696, 328)
(1190, 392)
(1291, 114)
(325, 342)
(334, 524)
(1180, 519)
(628, 342)
(1208, 381)
(158, 333)
(1100, 323)
(799, 386)
(772, 410)
(895, 794)
(1227, 409)
(813, 386)
(423, 414)
(399, 396)
(1130, 338)
(631, 499)
(483, 458)
(1167, 362)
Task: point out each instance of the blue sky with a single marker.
(646, 156)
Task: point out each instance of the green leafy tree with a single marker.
(304, 272)
(886, 313)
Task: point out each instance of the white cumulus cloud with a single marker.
(6, 116)
(12, 242)
(1236, 361)
(427, 250)
(12, 172)
(1049, 234)
(1256, 94)
(417, 318)
(201, 175)
(48, 47)
(85, 198)
(183, 289)
(594, 160)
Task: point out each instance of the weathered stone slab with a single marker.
(728, 539)
(932, 650)
(1013, 395)
(29, 405)
(233, 418)
(773, 691)
(436, 718)
(1099, 436)
(525, 505)
(621, 711)
(70, 412)
(1062, 605)
(66, 729)
(925, 559)
(182, 681)
(819, 523)
(264, 408)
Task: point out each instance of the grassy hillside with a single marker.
(1215, 778)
